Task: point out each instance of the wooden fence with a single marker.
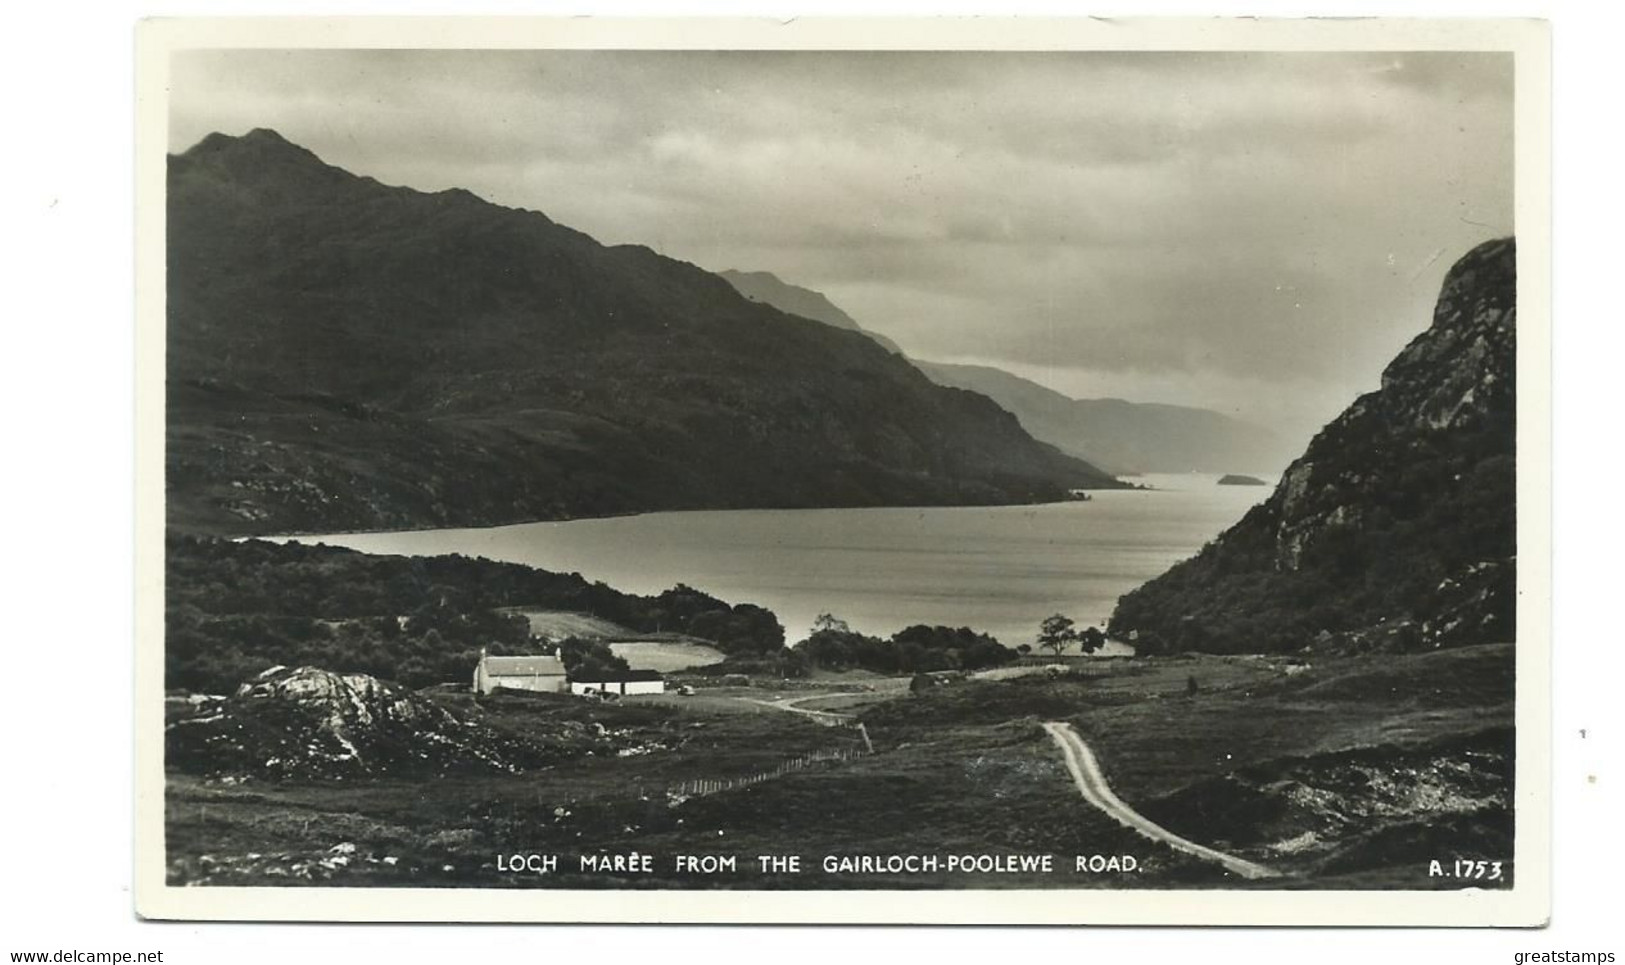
(703, 786)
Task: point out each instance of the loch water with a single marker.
(999, 570)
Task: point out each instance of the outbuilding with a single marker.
(619, 682)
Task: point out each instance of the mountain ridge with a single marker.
(770, 289)
(1116, 434)
(348, 355)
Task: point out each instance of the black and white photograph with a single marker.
(705, 469)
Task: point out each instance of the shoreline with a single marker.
(706, 565)
(301, 535)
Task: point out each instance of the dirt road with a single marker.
(1092, 785)
(828, 718)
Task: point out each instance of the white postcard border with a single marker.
(1526, 904)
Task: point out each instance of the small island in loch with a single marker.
(1236, 479)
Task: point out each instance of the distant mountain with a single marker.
(345, 355)
(1117, 435)
(767, 288)
(1397, 528)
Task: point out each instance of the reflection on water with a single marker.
(999, 569)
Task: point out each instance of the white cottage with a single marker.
(520, 673)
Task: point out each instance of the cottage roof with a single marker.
(524, 667)
(616, 676)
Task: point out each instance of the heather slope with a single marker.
(1397, 527)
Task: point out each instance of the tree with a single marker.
(1056, 632)
(922, 647)
(589, 658)
(1091, 639)
(827, 621)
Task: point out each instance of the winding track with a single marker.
(1092, 785)
(828, 718)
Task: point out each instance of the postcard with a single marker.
(891, 471)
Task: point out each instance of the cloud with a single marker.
(1229, 221)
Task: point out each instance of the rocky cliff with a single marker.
(1397, 527)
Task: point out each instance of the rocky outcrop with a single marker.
(310, 723)
(1362, 809)
(1401, 514)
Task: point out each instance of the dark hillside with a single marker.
(233, 609)
(348, 355)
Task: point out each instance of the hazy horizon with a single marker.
(1252, 233)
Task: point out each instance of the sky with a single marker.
(1256, 233)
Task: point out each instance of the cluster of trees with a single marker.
(1058, 632)
(589, 658)
(216, 652)
(833, 645)
(741, 628)
(919, 649)
(234, 609)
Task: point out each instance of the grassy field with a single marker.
(665, 656)
(665, 652)
(558, 624)
(961, 769)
